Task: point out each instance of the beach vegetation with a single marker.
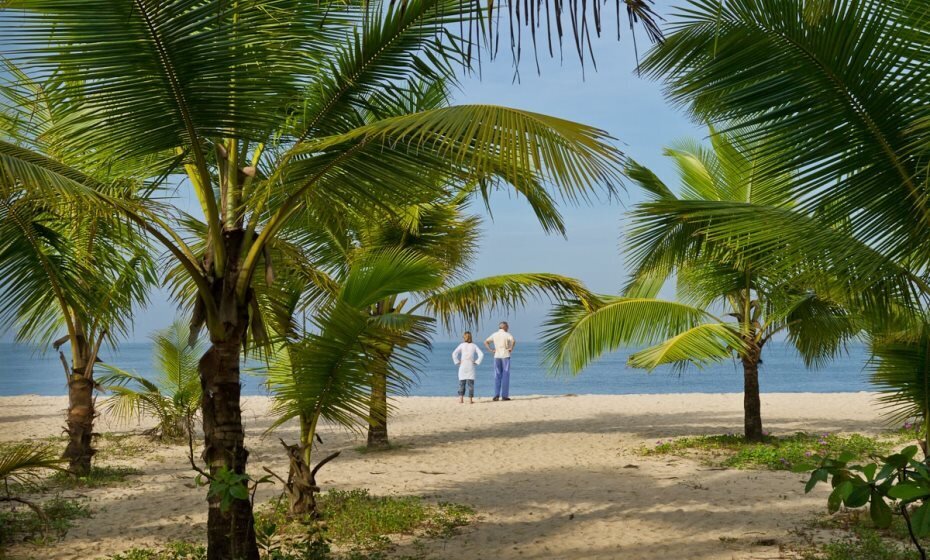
(43, 525)
(72, 272)
(172, 396)
(233, 103)
(864, 544)
(358, 523)
(100, 476)
(773, 452)
(755, 303)
(173, 551)
(896, 484)
(21, 465)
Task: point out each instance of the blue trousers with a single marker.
(502, 377)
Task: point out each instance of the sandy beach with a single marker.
(550, 477)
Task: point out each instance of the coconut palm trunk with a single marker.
(378, 407)
(230, 533)
(377, 429)
(752, 404)
(80, 422)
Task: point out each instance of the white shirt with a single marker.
(464, 356)
(503, 343)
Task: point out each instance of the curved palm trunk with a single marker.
(230, 534)
(752, 404)
(80, 423)
(377, 411)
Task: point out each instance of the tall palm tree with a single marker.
(261, 104)
(836, 88)
(760, 304)
(64, 266)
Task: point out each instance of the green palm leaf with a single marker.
(699, 346)
(578, 333)
(24, 461)
(469, 301)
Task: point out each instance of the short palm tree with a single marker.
(172, 395)
(262, 106)
(324, 374)
(759, 305)
(448, 233)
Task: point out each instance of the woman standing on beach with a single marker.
(467, 355)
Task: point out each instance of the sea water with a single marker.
(24, 370)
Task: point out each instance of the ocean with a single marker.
(23, 370)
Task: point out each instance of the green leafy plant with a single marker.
(172, 396)
(228, 486)
(41, 526)
(898, 482)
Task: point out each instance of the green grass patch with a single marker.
(111, 446)
(774, 452)
(99, 477)
(361, 523)
(22, 524)
(864, 545)
(357, 517)
(173, 551)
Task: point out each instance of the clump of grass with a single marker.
(362, 523)
(775, 453)
(448, 518)
(22, 524)
(173, 551)
(864, 544)
(111, 446)
(97, 478)
(357, 517)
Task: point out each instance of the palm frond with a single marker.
(472, 300)
(900, 370)
(698, 346)
(578, 333)
(23, 462)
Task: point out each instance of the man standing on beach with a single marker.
(503, 347)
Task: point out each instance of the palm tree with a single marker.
(65, 266)
(325, 373)
(834, 89)
(445, 231)
(262, 106)
(709, 276)
(172, 397)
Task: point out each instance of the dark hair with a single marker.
(467, 336)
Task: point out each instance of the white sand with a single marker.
(551, 477)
